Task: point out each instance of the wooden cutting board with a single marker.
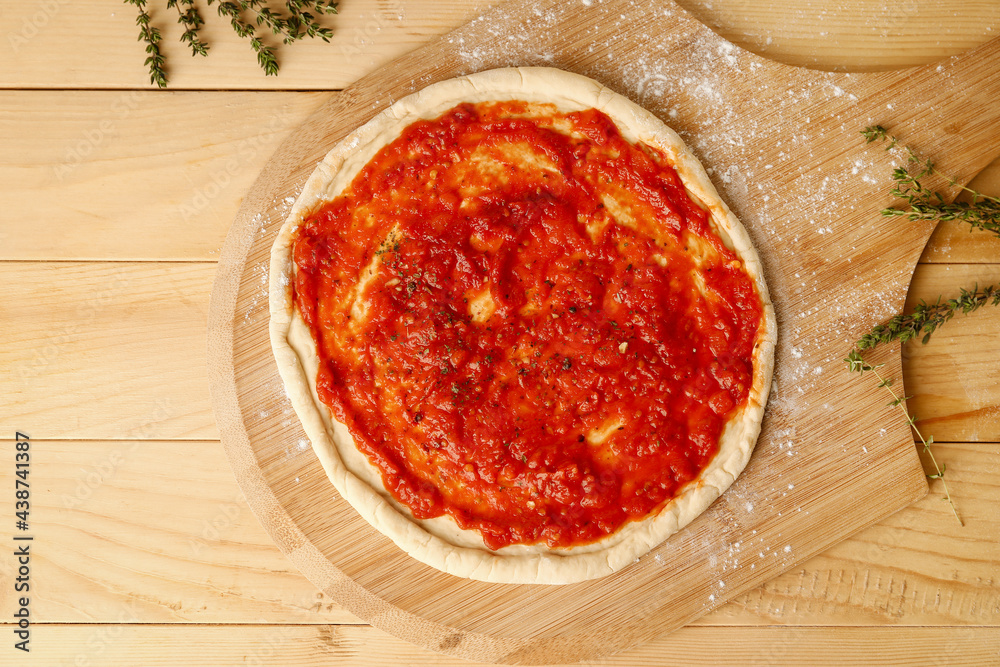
(783, 146)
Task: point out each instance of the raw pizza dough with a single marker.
(439, 542)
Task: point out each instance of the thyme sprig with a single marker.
(856, 364)
(151, 35)
(190, 18)
(265, 54)
(295, 20)
(983, 212)
(926, 318)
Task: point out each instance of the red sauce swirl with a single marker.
(526, 323)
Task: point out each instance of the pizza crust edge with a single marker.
(439, 542)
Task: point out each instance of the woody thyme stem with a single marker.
(938, 471)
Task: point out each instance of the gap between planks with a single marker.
(347, 624)
(362, 645)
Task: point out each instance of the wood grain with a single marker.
(73, 368)
(110, 351)
(368, 35)
(359, 646)
(951, 404)
(159, 529)
(893, 35)
(109, 188)
(109, 567)
(956, 242)
(52, 44)
(480, 621)
(918, 566)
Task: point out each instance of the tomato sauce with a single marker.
(526, 323)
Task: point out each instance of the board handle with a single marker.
(947, 111)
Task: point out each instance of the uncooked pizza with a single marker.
(527, 339)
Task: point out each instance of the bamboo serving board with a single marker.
(783, 147)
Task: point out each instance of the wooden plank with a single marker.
(51, 44)
(818, 248)
(957, 242)
(256, 592)
(161, 529)
(114, 176)
(155, 528)
(953, 378)
(106, 350)
(854, 35)
(132, 175)
(916, 567)
(46, 41)
(83, 327)
(362, 646)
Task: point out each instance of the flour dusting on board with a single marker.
(256, 313)
(751, 143)
(756, 530)
(258, 308)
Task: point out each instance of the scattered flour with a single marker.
(752, 143)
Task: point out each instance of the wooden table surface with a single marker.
(115, 199)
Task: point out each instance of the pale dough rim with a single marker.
(439, 542)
